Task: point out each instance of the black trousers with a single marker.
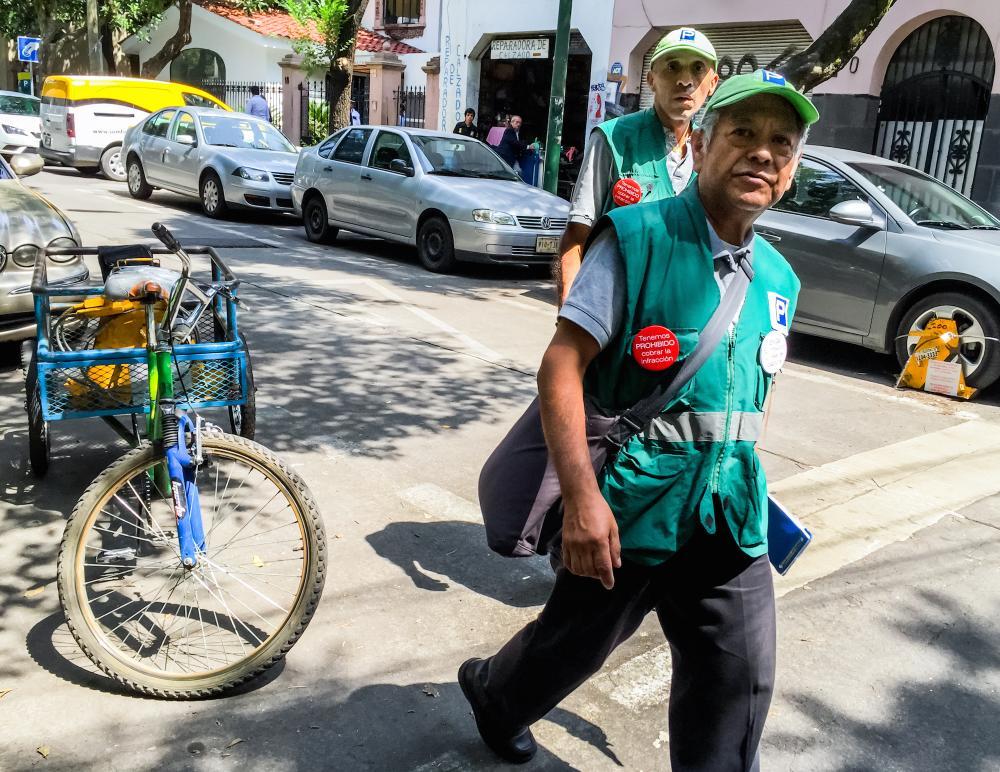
(716, 608)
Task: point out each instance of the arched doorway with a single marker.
(935, 98)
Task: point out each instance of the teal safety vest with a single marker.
(639, 150)
(699, 453)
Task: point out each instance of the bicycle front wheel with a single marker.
(169, 631)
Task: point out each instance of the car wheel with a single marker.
(112, 164)
(978, 327)
(213, 200)
(137, 185)
(435, 245)
(317, 221)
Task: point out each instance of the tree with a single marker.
(329, 35)
(835, 47)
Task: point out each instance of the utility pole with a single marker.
(95, 61)
(557, 101)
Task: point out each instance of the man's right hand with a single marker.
(590, 545)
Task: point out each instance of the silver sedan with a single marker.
(224, 159)
(881, 250)
(450, 196)
(29, 222)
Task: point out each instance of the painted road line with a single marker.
(854, 507)
(471, 343)
(642, 682)
(441, 504)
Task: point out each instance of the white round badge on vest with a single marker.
(773, 352)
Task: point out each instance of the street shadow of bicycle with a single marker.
(53, 648)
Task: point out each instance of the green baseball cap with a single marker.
(684, 39)
(740, 87)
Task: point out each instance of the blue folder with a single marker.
(787, 538)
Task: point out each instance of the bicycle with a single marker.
(195, 561)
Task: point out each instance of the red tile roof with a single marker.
(279, 24)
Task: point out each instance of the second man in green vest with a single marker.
(644, 156)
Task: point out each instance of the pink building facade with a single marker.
(924, 88)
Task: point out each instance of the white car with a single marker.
(451, 196)
(20, 123)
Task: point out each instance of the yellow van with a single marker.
(84, 117)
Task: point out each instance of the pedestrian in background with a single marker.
(257, 106)
(511, 148)
(676, 522)
(650, 147)
(467, 127)
(355, 115)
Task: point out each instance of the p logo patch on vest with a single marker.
(779, 311)
(626, 191)
(655, 348)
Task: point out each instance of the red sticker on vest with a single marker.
(626, 191)
(655, 348)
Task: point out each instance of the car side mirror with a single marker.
(26, 164)
(187, 139)
(400, 166)
(853, 213)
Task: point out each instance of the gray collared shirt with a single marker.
(596, 301)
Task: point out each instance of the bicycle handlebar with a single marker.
(164, 235)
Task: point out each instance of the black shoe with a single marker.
(519, 747)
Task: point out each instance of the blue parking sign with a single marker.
(27, 48)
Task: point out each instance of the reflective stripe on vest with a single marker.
(705, 427)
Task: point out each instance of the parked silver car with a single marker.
(449, 195)
(225, 159)
(881, 249)
(20, 124)
(29, 222)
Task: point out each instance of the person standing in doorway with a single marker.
(257, 106)
(355, 115)
(467, 127)
(644, 156)
(511, 148)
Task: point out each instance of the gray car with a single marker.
(29, 222)
(449, 195)
(882, 249)
(225, 159)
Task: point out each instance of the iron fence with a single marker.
(314, 111)
(236, 94)
(410, 106)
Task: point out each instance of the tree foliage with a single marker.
(329, 35)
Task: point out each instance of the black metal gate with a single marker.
(935, 98)
(411, 105)
(237, 93)
(359, 95)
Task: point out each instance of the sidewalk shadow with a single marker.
(328, 725)
(928, 725)
(458, 551)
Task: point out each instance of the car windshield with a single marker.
(244, 132)
(925, 200)
(461, 158)
(11, 104)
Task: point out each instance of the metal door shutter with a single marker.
(755, 45)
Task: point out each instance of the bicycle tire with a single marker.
(160, 623)
(39, 439)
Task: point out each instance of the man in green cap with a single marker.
(676, 521)
(649, 149)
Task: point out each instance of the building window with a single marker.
(197, 67)
(401, 12)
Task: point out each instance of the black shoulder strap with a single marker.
(635, 419)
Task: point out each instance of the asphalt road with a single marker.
(386, 387)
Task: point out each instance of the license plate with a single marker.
(546, 245)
